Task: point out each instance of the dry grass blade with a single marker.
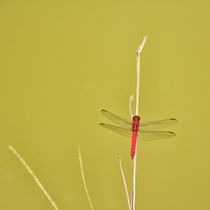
(139, 50)
(83, 179)
(34, 176)
(124, 181)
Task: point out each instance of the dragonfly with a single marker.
(147, 131)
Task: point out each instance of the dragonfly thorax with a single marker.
(135, 124)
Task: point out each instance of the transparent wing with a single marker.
(127, 132)
(157, 124)
(116, 119)
(143, 135)
(154, 135)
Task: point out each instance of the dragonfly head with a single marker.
(136, 118)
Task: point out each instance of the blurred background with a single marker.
(63, 61)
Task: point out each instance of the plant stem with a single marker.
(124, 181)
(83, 178)
(34, 176)
(137, 112)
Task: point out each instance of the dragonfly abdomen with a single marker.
(133, 144)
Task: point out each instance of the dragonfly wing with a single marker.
(116, 119)
(157, 124)
(154, 135)
(127, 132)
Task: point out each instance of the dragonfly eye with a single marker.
(136, 118)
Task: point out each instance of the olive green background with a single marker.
(63, 61)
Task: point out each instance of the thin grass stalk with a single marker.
(124, 181)
(83, 179)
(137, 112)
(34, 177)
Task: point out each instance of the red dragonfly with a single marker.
(135, 129)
